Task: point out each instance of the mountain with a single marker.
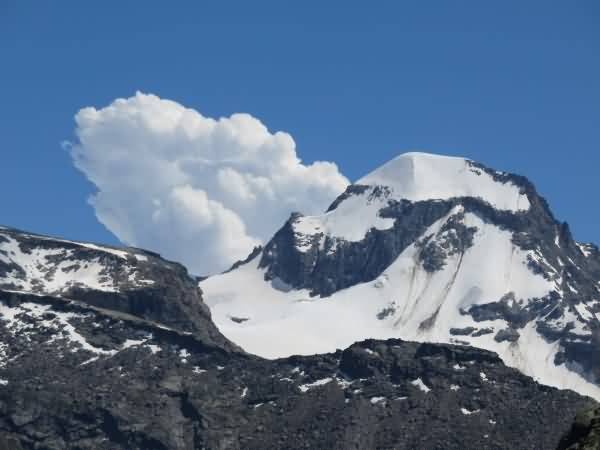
(128, 280)
(114, 348)
(85, 378)
(105, 347)
(431, 249)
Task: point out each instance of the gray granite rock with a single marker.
(160, 388)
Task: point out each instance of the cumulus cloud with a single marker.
(198, 190)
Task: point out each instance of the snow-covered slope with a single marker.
(33, 263)
(426, 248)
(421, 176)
(129, 280)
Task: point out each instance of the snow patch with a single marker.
(153, 348)
(54, 270)
(584, 312)
(343, 383)
(583, 248)
(132, 343)
(343, 223)
(60, 320)
(120, 253)
(88, 361)
(306, 387)
(422, 386)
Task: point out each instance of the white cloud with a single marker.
(197, 190)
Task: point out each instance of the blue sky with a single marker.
(515, 85)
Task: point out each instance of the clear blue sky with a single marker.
(513, 84)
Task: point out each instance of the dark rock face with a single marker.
(508, 334)
(455, 238)
(324, 272)
(77, 376)
(585, 432)
(507, 308)
(462, 331)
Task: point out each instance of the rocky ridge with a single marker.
(77, 376)
(128, 280)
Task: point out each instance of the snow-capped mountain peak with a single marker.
(418, 176)
(427, 248)
(413, 177)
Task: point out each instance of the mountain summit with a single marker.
(427, 248)
(422, 176)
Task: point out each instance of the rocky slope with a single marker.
(132, 281)
(75, 376)
(585, 432)
(426, 248)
